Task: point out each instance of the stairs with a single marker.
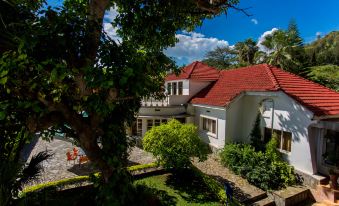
(325, 195)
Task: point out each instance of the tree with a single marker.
(327, 75)
(246, 51)
(173, 144)
(282, 52)
(58, 64)
(221, 57)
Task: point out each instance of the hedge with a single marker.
(74, 180)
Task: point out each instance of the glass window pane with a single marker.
(180, 88)
(164, 121)
(174, 90)
(169, 88)
(213, 126)
(157, 122)
(149, 124)
(287, 140)
(139, 127)
(278, 136)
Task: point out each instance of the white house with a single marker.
(224, 106)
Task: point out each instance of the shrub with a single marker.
(265, 170)
(173, 144)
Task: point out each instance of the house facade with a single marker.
(225, 104)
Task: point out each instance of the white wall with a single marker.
(219, 114)
(190, 88)
(289, 116)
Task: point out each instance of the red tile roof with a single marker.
(197, 71)
(318, 99)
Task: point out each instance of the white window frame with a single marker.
(161, 121)
(209, 133)
(139, 129)
(170, 91)
(282, 141)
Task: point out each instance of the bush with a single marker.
(173, 144)
(265, 170)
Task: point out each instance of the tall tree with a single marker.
(246, 51)
(283, 52)
(221, 57)
(58, 65)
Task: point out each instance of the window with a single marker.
(155, 122)
(209, 125)
(169, 88)
(180, 88)
(139, 127)
(284, 139)
(331, 155)
(149, 124)
(174, 90)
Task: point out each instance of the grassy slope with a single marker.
(185, 189)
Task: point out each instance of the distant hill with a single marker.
(324, 50)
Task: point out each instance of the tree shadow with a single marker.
(191, 187)
(83, 169)
(150, 196)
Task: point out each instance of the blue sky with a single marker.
(311, 16)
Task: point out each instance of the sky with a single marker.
(312, 17)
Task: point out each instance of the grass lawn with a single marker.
(180, 189)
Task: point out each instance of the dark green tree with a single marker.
(221, 58)
(57, 64)
(256, 136)
(246, 52)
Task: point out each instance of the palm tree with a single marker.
(282, 52)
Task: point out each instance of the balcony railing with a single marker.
(152, 102)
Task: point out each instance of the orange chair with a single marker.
(83, 159)
(75, 152)
(70, 157)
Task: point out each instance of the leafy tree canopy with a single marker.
(173, 144)
(57, 65)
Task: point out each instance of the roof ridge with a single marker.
(193, 67)
(274, 80)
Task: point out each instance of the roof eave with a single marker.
(323, 117)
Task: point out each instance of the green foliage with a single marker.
(75, 180)
(271, 148)
(221, 58)
(173, 144)
(216, 187)
(58, 63)
(256, 136)
(262, 169)
(246, 52)
(324, 50)
(327, 75)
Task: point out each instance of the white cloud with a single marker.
(263, 37)
(255, 21)
(108, 28)
(193, 46)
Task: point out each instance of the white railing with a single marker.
(153, 102)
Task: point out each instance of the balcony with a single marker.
(153, 102)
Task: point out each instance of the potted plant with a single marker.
(333, 179)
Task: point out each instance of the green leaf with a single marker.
(3, 80)
(2, 115)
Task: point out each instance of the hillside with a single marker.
(324, 50)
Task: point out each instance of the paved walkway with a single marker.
(58, 168)
(243, 191)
